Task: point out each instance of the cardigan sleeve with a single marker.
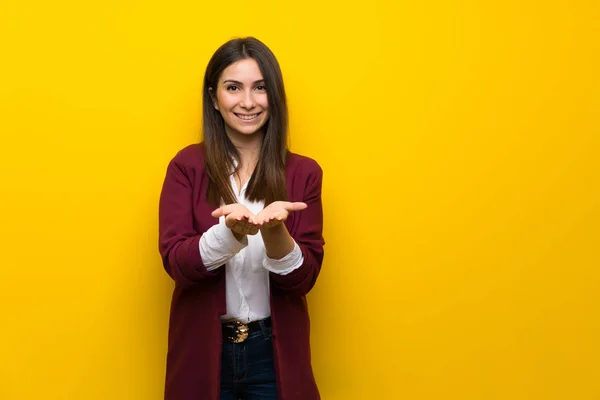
(308, 234)
(178, 240)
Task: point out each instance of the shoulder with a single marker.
(302, 165)
(190, 157)
(304, 177)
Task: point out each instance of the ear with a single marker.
(213, 97)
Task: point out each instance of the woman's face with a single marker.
(241, 98)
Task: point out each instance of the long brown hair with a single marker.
(267, 182)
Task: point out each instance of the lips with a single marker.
(247, 117)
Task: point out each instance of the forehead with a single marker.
(245, 70)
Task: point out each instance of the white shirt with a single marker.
(247, 265)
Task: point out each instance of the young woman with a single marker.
(241, 235)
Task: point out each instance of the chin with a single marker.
(250, 133)
(250, 130)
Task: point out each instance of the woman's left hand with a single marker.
(276, 213)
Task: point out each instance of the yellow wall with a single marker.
(460, 146)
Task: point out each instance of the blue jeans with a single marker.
(247, 368)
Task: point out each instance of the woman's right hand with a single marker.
(237, 218)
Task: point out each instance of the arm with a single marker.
(219, 244)
(308, 234)
(278, 241)
(179, 242)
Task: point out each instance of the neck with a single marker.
(248, 146)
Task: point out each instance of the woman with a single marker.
(241, 235)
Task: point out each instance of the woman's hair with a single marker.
(267, 183)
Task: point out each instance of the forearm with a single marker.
(219, 244)
(278, 241)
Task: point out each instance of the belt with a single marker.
(237, 331)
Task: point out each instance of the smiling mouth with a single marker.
(247, 117)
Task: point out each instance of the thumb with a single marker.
(296, 206)
(224, 210)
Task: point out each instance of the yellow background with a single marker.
(460, 144)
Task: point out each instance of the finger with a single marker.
(296, 206)
(257, 220)
(233, 218)
(244, 224)
(233, 225)
(249, 227)
(269, 224)
(265, 220)
(223, 210)
(273, 221)
(217, 213)
(231, 221)
(254, 222)
(241, 225)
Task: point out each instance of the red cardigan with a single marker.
(194, 353)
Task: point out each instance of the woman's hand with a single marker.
(237, 218)
(276, 213)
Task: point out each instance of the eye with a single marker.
(232, 88)
(261, 88)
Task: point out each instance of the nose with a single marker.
(248, 101)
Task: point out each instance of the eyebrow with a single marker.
(240, 83)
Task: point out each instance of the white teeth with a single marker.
(247, 117)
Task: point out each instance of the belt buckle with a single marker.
(241, 331)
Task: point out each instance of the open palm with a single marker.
(276, 213)
(237, 218)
